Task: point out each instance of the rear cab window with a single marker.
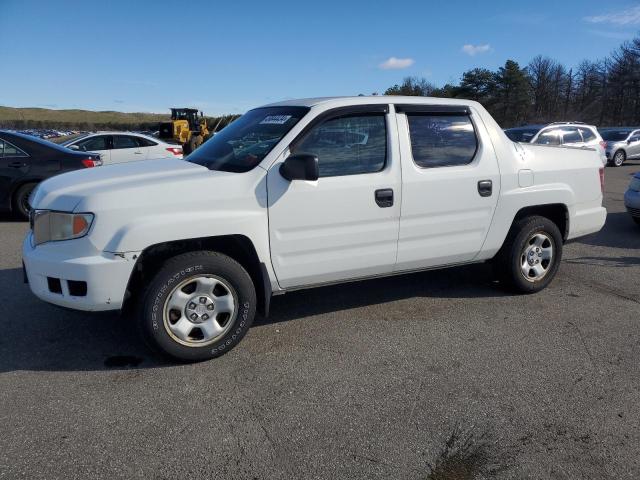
(444, 137)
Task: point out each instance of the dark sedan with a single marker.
(25, 161)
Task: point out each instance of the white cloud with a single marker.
(393, 63)
(630, 16)
(616, 35)
(472, 50)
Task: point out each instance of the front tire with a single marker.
(198, 306)
(618, 158)
(529, 259)
(21, 200)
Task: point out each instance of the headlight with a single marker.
(635, 184)
(51, 226)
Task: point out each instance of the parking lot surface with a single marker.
(391, 378)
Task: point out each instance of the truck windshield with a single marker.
(243, 144)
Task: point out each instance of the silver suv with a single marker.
(573, 134)
(620, 144)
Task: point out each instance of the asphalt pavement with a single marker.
(428, 375)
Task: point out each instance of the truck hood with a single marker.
(121, 183)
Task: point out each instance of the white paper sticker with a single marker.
(275, 119)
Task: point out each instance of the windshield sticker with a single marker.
(275, 119)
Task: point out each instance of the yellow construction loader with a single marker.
(186, 128)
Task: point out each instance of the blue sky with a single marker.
(139, 55)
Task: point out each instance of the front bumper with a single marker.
(632, 203)
(56, 269)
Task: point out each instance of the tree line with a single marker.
(603, 92)
(89, 126)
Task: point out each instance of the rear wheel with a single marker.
(531, 254)
(21, 199)
(198, 306)
(618, 158)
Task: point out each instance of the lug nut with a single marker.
(193, 316)
(192, 305)
(210, 306)
(205, 317)
(203, 300)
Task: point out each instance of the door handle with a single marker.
(17, 165)
(485, 188)
(384, 197)
(137, 153)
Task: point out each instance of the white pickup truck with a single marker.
(305, 193)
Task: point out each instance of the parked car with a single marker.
(26, 160)
(200, 245)
(621, 144)
(122, 147)
(523, 134)
(571, 134)
(632, 198)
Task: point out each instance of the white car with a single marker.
(570, 134)
(305, 193)
(122, 147)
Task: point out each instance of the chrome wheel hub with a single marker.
(199, 310)
(536, 257)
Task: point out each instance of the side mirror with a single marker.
(300, 167)
(73, 147)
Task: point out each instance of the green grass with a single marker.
(9, 115)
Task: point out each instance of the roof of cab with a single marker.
(368, 100)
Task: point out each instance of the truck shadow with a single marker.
(41, 337)
(38, 336)
(471, 281)
(619, 231)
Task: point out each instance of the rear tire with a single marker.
(21, 200)
(198, 306)
(618, 158)
(529, 259)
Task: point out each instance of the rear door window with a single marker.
(124, 141)
(441, 140)
(548, 137)
(571, 135)
(144, 142)
(587, 134)
(9, 150)
(93, 143)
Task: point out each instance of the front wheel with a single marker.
(21, 200)
(618, 158)
(531, 254)
(198, 306)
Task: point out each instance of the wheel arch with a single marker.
(238, 247)
(558, 213)
(16, 186)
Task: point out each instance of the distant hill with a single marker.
(83, 119)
